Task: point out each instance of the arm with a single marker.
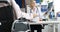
(19, 13)
(16, 8)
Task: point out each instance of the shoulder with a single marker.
(11, 1)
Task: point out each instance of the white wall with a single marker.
(57, 9)
(56, 6)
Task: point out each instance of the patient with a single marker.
(6, 14)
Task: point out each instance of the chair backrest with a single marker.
(20, 27)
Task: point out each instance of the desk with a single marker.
(46, 22)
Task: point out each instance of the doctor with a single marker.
(34, 10)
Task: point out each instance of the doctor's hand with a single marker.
(34, 15)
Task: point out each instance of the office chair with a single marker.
(20, 26)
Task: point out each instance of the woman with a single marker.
(35, 11)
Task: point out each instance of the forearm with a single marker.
(16, 8)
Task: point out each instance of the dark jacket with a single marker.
(6, 18)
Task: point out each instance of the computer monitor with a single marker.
(50, 5)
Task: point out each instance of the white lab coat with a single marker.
(37, 11)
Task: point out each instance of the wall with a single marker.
(56, 6)
(27, 2)
(57, 9)
(21, 3)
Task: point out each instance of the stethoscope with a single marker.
(37, 11)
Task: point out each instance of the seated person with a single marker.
(6, 14)
(35, 12)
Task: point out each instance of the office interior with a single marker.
(49, 16)
(56, 9)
